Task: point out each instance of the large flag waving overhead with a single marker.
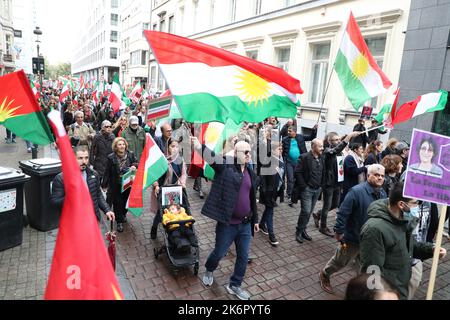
(19, 110)
(212, 84)
(152, 166)
(385, 114)
(81, 268)
(117, 94)
(359, 73)
(429, 102)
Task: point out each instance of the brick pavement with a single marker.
(286, 272)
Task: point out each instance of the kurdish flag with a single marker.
(429, 102)
(212, 84)
(19, 110)
(359, 73)
(152, 166)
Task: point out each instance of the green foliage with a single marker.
(55, 71)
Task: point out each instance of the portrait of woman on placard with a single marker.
(427, 154)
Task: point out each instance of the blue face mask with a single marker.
(412, 213)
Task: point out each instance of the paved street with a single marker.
(289, 271)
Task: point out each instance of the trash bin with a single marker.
(42, 215)
(11, 207)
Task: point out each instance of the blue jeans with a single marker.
(241, 235)
(308, 198)
(267, 219)
(290, 169)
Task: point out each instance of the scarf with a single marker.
(359, 163)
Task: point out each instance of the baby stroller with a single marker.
(187, 255)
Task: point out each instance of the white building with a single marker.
(24, 21)
(7, 60)
(302, 37)
(135, 18)
(97, 51)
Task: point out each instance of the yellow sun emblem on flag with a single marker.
(252, 89)
(360, 66)
(5, 111)
(211, 135)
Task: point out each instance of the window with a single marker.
(113, 36)
(319, 71)
(160, 81)
(171, 24)
(113, 53)
(114, 19)
(8, 44)
(377, 45)
(252, 54)
(162, 25)
(195, 15)
(144, 57)
(287, 3)
(257, 7)
(232, 10)
(283, 56)
(153, 76)
(134, 58)
(114, 4)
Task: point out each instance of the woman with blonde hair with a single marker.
(119, 162)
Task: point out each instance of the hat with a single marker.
(402, 146)
(106, 123)
(134, 120)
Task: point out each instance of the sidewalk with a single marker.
(289, 271)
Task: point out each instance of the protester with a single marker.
(135, 136)
(293, 147)
(234, 223)
(354, 169)
(358, 288)
(80, 131)
(387, 242)
(351, 216)
(362, 139)
(119, 126)
(102, 147)
(92, 180)
(331, 189)
(284, 129)
(373, 153)
(120, 161)
(373, 134)
(309, 178)
(390, 148)
(402, 149)
(393, 166)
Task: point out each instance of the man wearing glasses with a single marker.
(232, 203)
(387, 245)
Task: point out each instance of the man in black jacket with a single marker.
(309, 177)
(92, 180)
(331, 190)
(293, 147)
(363, 138)
(232, 203)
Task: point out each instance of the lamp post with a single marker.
(37, 32)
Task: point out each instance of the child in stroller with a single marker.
(181, 238)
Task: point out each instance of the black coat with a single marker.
(100, 149)
(362, 138)
(302, 174)
(113, 175)
(224, 192)
(286, 143)
(351, 173)
(268, 192)
(330, 161)
(93, 183)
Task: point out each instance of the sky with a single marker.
(59, 21)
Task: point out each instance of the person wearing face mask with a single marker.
(387, 240)
(135, 136)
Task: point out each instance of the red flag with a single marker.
(81, 268)
(197, 162)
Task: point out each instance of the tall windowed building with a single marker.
(302, 37)
(7, 59)
(97, 53)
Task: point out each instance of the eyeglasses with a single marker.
(425, 149)
(107, 127)
(246, 152)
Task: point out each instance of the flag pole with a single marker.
(325, 93)
(443, 210)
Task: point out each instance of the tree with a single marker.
(55, 71)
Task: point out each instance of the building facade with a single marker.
(426, 64)
(98, 51)
(24, 22)
(134, 57)
(302, 37)
(7, 59)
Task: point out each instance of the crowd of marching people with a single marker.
(355, 175)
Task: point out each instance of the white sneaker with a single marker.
(238, 292)
(208, 278)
